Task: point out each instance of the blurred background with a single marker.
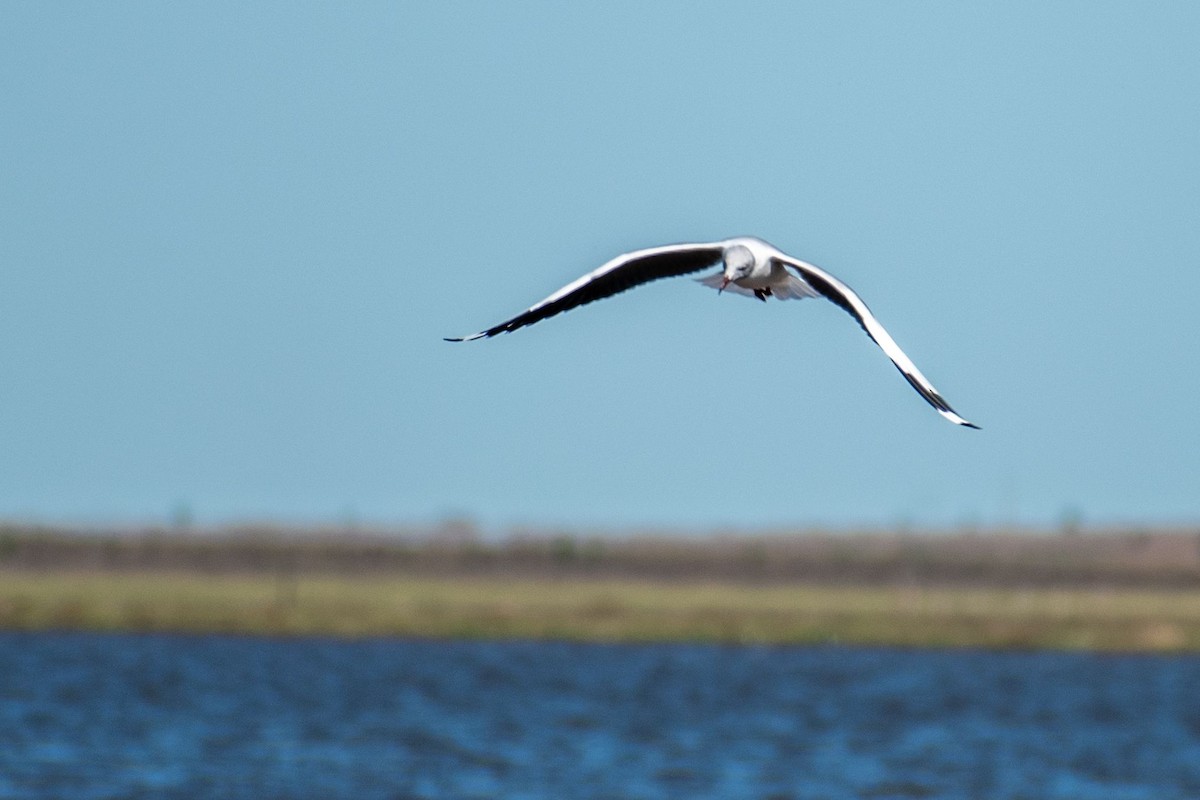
(235, 237)
(574, 561)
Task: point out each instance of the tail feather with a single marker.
(793, 289)
(717, 278)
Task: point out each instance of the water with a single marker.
(91, 716)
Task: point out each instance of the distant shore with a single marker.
(997, 592)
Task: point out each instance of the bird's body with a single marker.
(761, 272)
(751, 267)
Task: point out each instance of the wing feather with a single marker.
(621, 273)
(842, 295)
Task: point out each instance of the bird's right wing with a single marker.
(842, 295)
(621, 273)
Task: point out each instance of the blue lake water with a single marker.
(92, 716)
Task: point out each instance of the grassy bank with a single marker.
(1166, 559)
(603, 610)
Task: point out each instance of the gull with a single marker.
(750, 267)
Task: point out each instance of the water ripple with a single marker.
(99, 716)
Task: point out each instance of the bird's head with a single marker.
(739, 263)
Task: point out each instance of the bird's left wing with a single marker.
(842, 295)
(621, 273)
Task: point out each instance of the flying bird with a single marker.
(750, 267)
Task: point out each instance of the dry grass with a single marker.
(601, 609)
(1130, 558)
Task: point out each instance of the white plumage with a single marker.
(750, 267)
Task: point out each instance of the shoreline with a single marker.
(601, 610)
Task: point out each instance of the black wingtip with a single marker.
(472, 337)
(972, 425)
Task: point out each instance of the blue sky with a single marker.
(234, 236)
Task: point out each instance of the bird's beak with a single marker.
(724, 283)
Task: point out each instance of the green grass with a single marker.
(601, 610)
